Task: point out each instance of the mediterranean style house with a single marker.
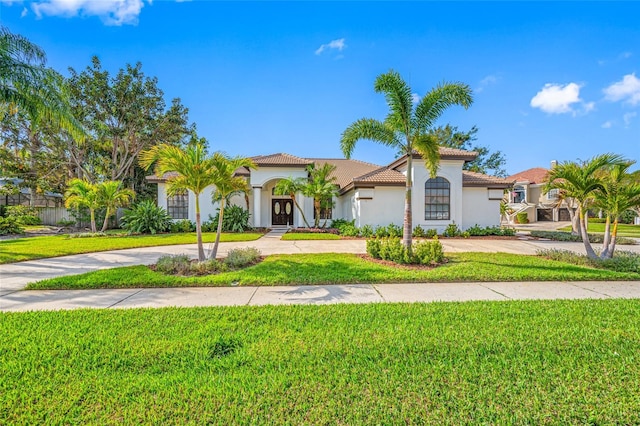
(528, 195)
(368, 193)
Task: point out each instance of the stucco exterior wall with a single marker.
(380, 206)
(479, 209)
(206, 206)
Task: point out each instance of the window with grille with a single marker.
(325, 213)
(437, 199)
(178, 206)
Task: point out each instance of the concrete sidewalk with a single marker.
(317, 295)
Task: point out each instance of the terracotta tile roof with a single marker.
(155, 179)
(346, 170)
(478, 179)
(457, 154)
(280, 159)
(535, 175)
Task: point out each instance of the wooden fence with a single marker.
(52, 215)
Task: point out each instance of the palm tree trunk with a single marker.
(408, 220)
(93, 220)
(585, 237)
(614, 237)
(316, 207)
(606, 239)
(295, 203)
(199, 229)
(106, 220)
(214, 252)
(575, 226)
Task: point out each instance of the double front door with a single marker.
(282, 212)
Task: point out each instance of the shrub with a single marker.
(394, 230)
(208, 266)
(10, 226)
(366, 231)
(373, 247)
(428, 252)
(146, 218)
(430, 233)
(314, 231)
(568, 236)
(628, 216)
(623, 261)
(451, 230)
(183, 225)
(235, 219)
(522, 217)
(349, 231)
(418, 232)
(178, 264)
(89, 235)
(239, 258)
(337, 223)
(391, 249)
(479, 231)
(381, 232)
(25, 215)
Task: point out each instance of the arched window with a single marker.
(437, 199)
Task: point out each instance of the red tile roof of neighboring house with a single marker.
(534, 175)
(478, 179)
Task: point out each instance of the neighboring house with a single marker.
(11, 194)
(528, 195)
(368, 193)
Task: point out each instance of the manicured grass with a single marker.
(521, 362)
(19, 249)
(624, 230)
(332, 268)
(298, 236)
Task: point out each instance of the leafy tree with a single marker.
(226, 184)
(83, 194)
(291, 187)
(193, 170)
(321, 187)
(407, 128)
(581, 181)
(487, 162)
(619, 192)
(111, 196)
(125, 114)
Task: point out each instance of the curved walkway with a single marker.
(14, 277)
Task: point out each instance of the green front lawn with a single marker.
(332, 268)
(19, 249)
(301, 236)
(520, 362)
(624, 230)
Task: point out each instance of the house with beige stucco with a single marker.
(368, 194)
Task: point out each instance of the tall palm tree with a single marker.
(25, 83)
(406, 128)
(620, 192)
(223, 177)
(581, 181)
(321, 187)
(83, 194)
(192, 170)
(291, 187)
(112, 196)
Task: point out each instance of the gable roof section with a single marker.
(473, 179)
(536, 175)
(280, 160)
(346, 169)
(445, 154)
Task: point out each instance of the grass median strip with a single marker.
(519, 362)
(304, 236)
(624, 230)
(20, 249)
(332, 268)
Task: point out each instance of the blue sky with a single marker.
(551, 80)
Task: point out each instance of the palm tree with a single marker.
(223, 177)
(581, 181)
(619, 192)
(406, 128)
(83, 194)
(193, 171)
(290, 187)
(321, 187)
(112, 196)
(25, 83)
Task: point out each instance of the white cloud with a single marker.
(627, 89)
(558, 99)
(607, 124)
(486, 82)
(111, 12)
(627, 118)
(415, 98)
(24, 13)
(625, 55)
(333, 44)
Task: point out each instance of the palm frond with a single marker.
(398, 96)
(367, 128)
(427, 146)
(436, 102)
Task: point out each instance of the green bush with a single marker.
(366, 231)
(10, 226)
(183, 225)
(235, 219)
(146, 218)
(479, 231)
(178, 264)
(452, 230)
(392, 249)
(239, 258)
(622, 261)
(628, 217)
(522, 217)
(568, 236)
(349, 230)
(394, 230)
(337, 223)
(418, 232)
(430, 233)
(24, 214)
(381, 232)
